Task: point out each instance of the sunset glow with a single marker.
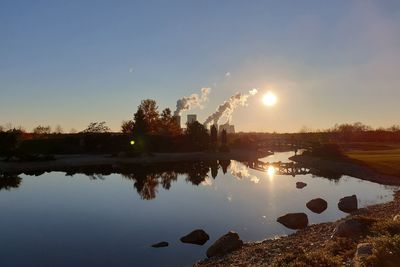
(271, 171)
(269, 99)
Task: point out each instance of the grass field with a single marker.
(384, 158)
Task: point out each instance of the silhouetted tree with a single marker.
(214, 169)
(213, 136)
(97, 127)
(224, 138)
(224, 141)
(224, 165)
(151, 115)
(9, 142)
(8, 182)
(127, 127)
(198, 135)
(140, 130)
(58, 129)
(39, 130)
(168, 123)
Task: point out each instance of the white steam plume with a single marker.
(226, 109)
(189, 102)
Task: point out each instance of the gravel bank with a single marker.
(303, 241)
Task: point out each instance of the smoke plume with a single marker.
(226, 109)
(189, 102)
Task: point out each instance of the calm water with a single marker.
(80, 220)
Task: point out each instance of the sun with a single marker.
(269, 99)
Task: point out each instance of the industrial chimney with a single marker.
(191, 118)
(178, 120)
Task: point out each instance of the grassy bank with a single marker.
(383, 158)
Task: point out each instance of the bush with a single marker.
(330, 150)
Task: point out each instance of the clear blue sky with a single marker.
(73, 62)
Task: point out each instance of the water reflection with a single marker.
(148, 178)
(241, 171)
(8, 182)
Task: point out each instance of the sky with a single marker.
(75, 62)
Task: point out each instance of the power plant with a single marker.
(191, 118)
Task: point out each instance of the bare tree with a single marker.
(97, 127)
(39, 130)
(58, 129)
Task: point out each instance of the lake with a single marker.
(90, 219)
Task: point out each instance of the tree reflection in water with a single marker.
(7, 182)
(148, 178)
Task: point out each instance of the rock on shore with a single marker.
(294, 220)
(226, 243)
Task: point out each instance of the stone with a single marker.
(160, 245)
(348, 228)
(397, 218)
(363, 250)
(197, 237)
(294, 220)
(317, 205)
(348, 204)
(300, 185)
(225, 244)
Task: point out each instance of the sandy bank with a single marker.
(67, 162)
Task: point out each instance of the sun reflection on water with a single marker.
(271, 172)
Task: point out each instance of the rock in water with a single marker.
(225, 244)
(160, 245)
(197, 237)
(348, 204)
(317, 205)
(348, 228)
(300, 185)
(294, 220)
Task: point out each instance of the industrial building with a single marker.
(191, 118)
(229, 128)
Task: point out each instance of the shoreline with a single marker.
(348, 168)
(67, 162)
(316, 238)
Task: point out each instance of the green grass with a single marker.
(384, 159)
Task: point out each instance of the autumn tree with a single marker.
(150, 114)
(197, 135)
(169, 125)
